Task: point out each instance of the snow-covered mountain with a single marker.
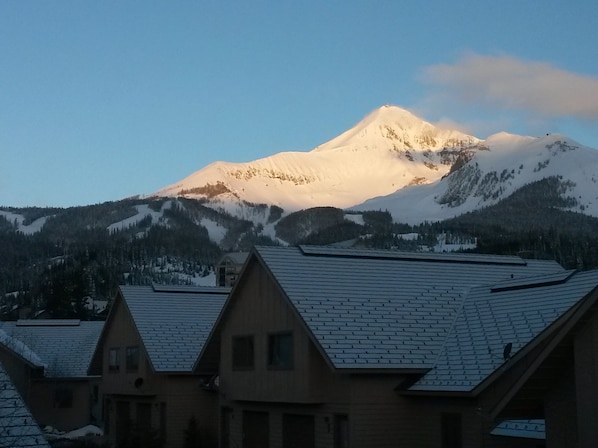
(392, 160)
(388, 150)
(508, 163)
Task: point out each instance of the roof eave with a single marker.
(377, 370)
(559, 330)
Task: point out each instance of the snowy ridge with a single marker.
(389, 149)
(509, 163)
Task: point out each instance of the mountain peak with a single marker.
(393, 114)
(388, 149)
(399, 128)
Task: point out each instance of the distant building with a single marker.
(228, 268)
(47, 361)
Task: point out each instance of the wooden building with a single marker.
(146, 355)
(47, 360)
(322, 347)
(229, 267)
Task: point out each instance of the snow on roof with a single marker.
(174, 322)
(527, 429)
(20, 348)
(384, 309)
(64, 347)
(18, 429)
(491, 318)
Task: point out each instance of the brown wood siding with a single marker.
(586, 382)
(38, 394)
(45, 411)
(181, 395)
(259, 310)
(561, 413)
(18, 371)
(123, 334)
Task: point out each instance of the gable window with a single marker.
(242, 352)
(132, 359)
(280, 350)
(114, 360)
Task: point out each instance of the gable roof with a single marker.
(497, 321)
(237, 258)
(384, 309)
(64, 347)
(18, 429)
(173, 321)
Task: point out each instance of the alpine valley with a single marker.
(393, 181)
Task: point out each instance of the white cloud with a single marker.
(515, 84)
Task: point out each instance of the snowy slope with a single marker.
(388, 150)
(509, 163)
(30, 229)
(143, 211)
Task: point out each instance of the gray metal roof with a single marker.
(492, 317)
(174, 323)
(18, 429)
(63, 347)
(527, 429)
(385, 309)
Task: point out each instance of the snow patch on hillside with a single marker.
(357, 219)
(216, 232)
(29, 229)
(143, 211)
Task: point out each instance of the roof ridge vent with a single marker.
(48, 322)
(193, 289)
(533, 282)
(326, 251)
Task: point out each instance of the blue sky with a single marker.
(101, 100)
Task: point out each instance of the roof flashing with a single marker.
(325, 251)
(48, 323)
(535, 282)
(186, 289)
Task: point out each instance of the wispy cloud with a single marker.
(514, 84)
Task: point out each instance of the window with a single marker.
(144, 417)
(132, 359)
(298, 431)
(96, 393)
(222, 276)
(114, 360)
(451, 430)
(226, 417)
(63, 397)
(163, 420)
(242, 352)
(341, 431)
(280, 350)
